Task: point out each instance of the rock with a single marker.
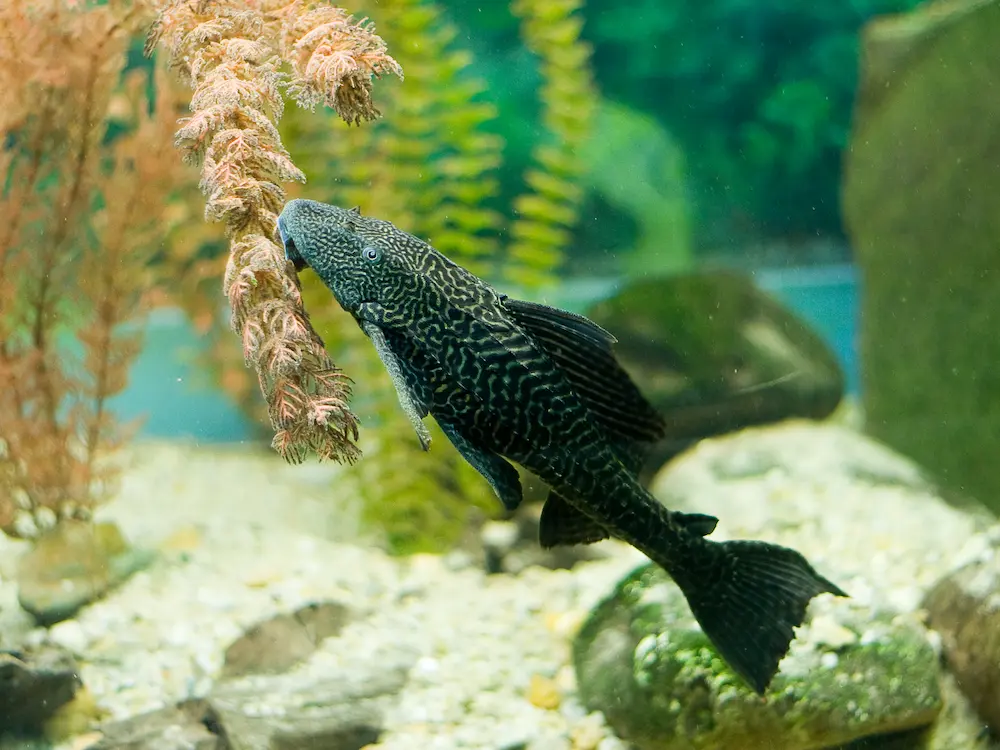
(74, 718)
(958, 727)
(643, 661)
(34, 685)
(962, 607)
(919, 206)
(278, 644)
(182, 727)
(716, 354)
(72, 565)
(291, 711)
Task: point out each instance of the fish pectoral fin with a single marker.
(562, 523)
(414, 408)
(699, 524)
(581, 349)
(502, 477)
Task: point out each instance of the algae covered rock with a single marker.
(920, 206)
(715, 354)
(643, 661)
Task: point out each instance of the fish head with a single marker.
(360, 259)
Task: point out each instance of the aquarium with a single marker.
(529, 375)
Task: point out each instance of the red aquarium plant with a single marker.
(86, 168)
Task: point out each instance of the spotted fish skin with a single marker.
(509, 380)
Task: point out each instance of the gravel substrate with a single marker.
(232, 529)
(244, 536)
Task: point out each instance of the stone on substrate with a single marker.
(643, 661)
(964, 608)
(279, 643)
(72, 565)
(714, 353)
(287, 712)
(34, 685)
(182, 727)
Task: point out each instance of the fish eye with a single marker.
(371, 253)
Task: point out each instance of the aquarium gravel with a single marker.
(243, 537)
(233, 555)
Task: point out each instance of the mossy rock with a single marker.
(717, 354)
(920, 207)
(642, 660)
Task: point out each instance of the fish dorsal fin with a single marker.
(561, 523)
(581, 349)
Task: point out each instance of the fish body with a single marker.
(509, 380)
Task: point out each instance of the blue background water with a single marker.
(177, 400)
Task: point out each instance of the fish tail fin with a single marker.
(748, 597)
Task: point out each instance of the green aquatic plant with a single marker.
(429, 165)
(547, 212)
(626, 142)
(758, 93)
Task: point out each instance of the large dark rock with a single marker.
(921, 181)
(34, 684)
(715, 354)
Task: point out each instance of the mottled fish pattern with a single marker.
(509, 380)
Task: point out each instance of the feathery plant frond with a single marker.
(230, 54)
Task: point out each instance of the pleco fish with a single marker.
(508, 379)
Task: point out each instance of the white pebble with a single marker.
(70, 635)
